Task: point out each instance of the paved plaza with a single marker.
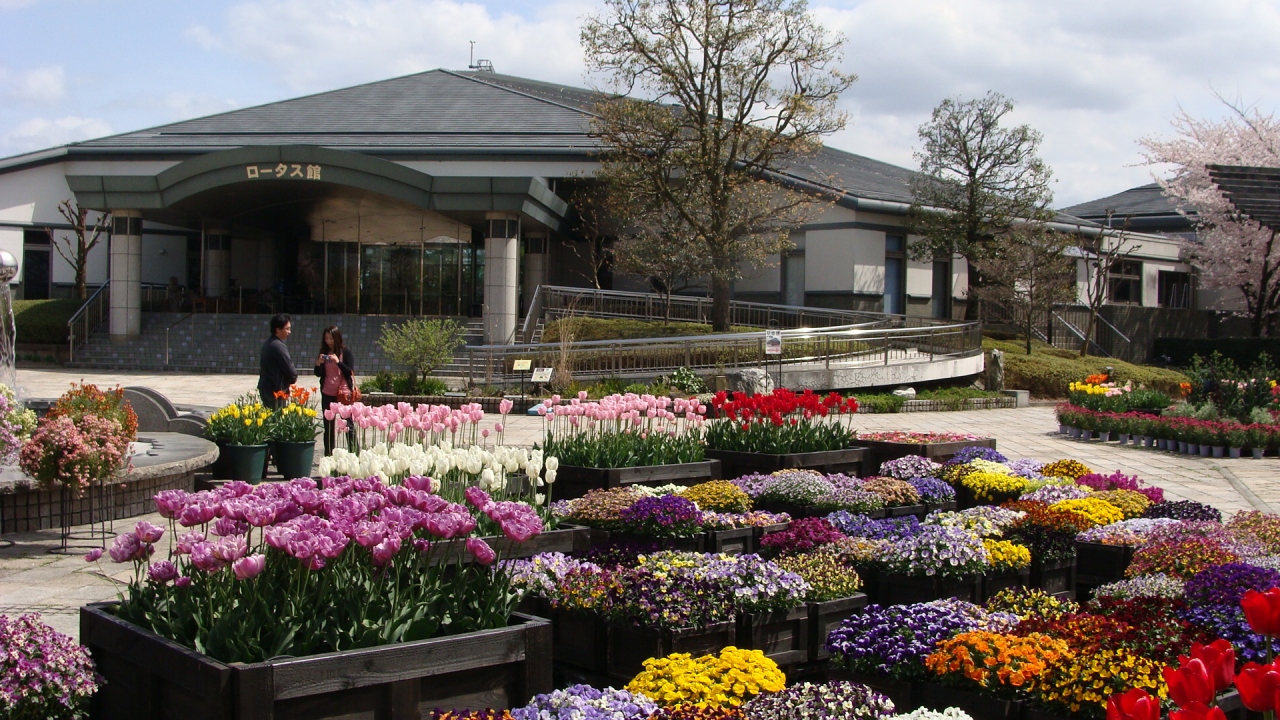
(34, 579)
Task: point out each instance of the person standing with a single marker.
(275, 366)
(335, 366)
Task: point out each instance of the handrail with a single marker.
(181, 320)
(87, 318)
(532, 315)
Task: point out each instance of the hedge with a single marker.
(43, 321)
(586, 329)
(1178, 352)
(1048, 370)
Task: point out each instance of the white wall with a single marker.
(65, 273)
(762, 279)
(163, 257)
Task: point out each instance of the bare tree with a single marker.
(76, 250)
(976, 180)
(1029, 271)
(595, 228)
(738, 91)
(659, 246)
(1100, 255)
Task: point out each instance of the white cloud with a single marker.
(37, 86)
(184, 105)
(15, 4)
(39, 133)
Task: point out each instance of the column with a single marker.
(501, 277)
(125, 318)
(535, 267)
(217, 261)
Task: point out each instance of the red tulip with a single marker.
(1258, 686)
(1190, 683)
(1198, 711)
(1220, 659)
(1137, 704)
(1262, 610)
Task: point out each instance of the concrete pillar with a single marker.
(501, 277)
(126, 275)
(535, 267)
(217, 262)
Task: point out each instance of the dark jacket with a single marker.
(346, 364)
(275, 369)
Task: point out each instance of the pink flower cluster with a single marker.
(43, 673)
(617, 411)
(428, 424)
(64, 452)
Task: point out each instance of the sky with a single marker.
(1094, 76)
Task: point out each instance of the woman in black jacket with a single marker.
(335, 367)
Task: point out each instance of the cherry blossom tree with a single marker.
(1233, 251)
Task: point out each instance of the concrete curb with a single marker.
(1244, 490)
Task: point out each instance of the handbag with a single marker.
(347, 395)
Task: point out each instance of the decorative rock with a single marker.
(909, 393)
(188, 425)
(749, 381)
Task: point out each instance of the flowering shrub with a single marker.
(1184, 510)
(250, 591)
(83, 439)
(669, 516)
(1065, 468)
(755, 518)
(602, 508)
(802, 536)
(1131, 503)
(1049, 533)
(894, 640)
(1120, 481)
(838, 700)
(1125, 532)
(933, 490)
(1226, 584)
(894, 492)
(909, 466)
(917, 438)
(1050, 493)
(1097, 512)
(976, 452)
(1007, 556)
(983, 521)
(753, 484)
(17, 423)
(1257, 528)
(781, 422)
(719, 496)
(43, 673)
(624, 431)
(1180, 558)
(993, 660)
(862, 526)
(858, 551)
(586, 702)
(828, 578)
(991, 486)
(796, 487)
(728, 679)
(1156, 586)
(1084, 682)
(942, 551)
(1229, 623)
(550, 576)
(666, 600)
(1028, 468)
(1030, 602)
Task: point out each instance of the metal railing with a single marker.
(914, 340)
(1106, 338)
(88, 319)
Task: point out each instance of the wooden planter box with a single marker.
(992, 584)
(905, 510)
(738, 541)
(148, 676)
(903, 693)
(870, 582)
(883, 450)
(981, 707)
(965, 498)
(1035, 713)
(737, 464)
(783, 635)
(1056, 578)
(694, 543)
(573, 481)
(630, 646)
(895, 589)
(580, 640)
(827, 616)
(939, 507)
(1097, 564)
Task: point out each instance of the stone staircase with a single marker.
(222, 343)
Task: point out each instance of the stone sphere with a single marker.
(8, 266)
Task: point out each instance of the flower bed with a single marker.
(936, 446)
(1219, 438)
(784, 430)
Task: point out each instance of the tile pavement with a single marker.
(34, 580)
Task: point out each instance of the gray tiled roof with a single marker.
(1144, 200)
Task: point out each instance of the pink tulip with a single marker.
(182, 581)
(162, 572)
(384, 551)
(249, 567)
(481, 551)
(170, 502)
(93, 555)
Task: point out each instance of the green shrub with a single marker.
(1178, 352)
(422, 344)
(881, 402)
(585, 329)
(687, 381)
(43, 321)
(1047, 371)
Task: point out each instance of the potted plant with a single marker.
(832, 596)
(976, 671)
(81, 442)
(784, 430)
(1236, 437)
(1010, 567)
(624, 440)
(938, 562)
(889, 445)
(241, 432)
(772, 615)
(292, 435)
(1256, 437)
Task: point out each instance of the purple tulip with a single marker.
(385, 550)
(170, 502)
(226, 527)
(197, 513)
(370, 532)
(182, 581)
(249, 566)
(93, 555)
(147, 532)
(481, 551)
(478, 498)
(162, 572)
(203, 558)
(125, 548)
(230, 548)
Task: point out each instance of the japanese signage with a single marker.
(541, 375)
(518, 365)
(283, 170)
(772, 342)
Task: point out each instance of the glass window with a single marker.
(895, 275)
(1124, 282)
(793, 278)
(942, 288)
(1174, 290)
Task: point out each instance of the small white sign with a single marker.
(521, 365)
(772, 342)
(541, 375)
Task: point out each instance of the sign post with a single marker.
(522, 367)
(773, 346)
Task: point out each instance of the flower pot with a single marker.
(1054, 577)
(827, 616)
(939, 507)
(1086, 434)
(1257, 453)
(1206, 451)
(1218, 451)
(993, 583)
(1104, 436)
(1182, 446)
(940, 452)
(905, 510)
(782, 635)
(243, 462)
(898, 589)
(1097, 563)
(1150, 441)
(1063, 429)
(293, 459)
(573, 481)
(937, 696)
(1234, 452)
(1075, 432)
(148, 676)
(1123, 438)
(694, 543)
(631, 645)
(736, 464)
